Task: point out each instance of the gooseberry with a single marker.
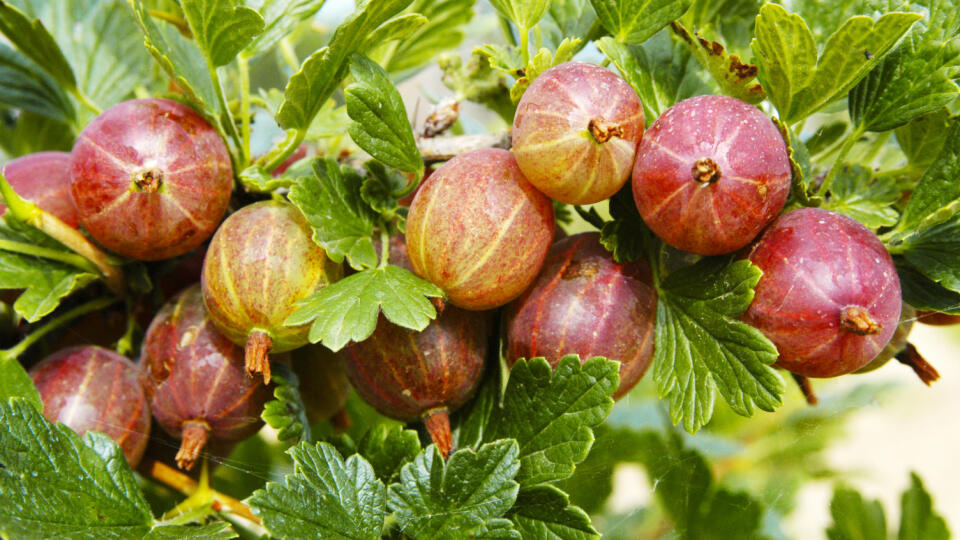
(710, 174)
(585, 303)
(411, 376)
(260, 262)
(43, 178)
(89, 388)
(575, 132)
(479, 230)
(829, 297)
(150, 178)
(195, 376)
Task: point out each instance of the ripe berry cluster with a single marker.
(150, 179)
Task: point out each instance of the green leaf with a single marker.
(287, 413)
(379, 187)
(388, 449)
(15, 382)
(551, 412)
(24, 86)
(918, 521)
(627, 236)
(922, 292)
(731, 516)
(702, 347)
(635, 21)
(935, 251)
(380, 124)
(541, 62)
(855, 518)
(496, 529)
(31, 132)
(524, 13)
(683, 479)
(706, 13)
(922, 138)
(280, 18)
(46, 468)
(684, 485)
(45, 282)
(856, 193)
(452, 500)
(825, 136)
(397, 28)
(796, 80)
(735, 78)
(570, 18)
(34, 41)
(102, 42)
(545, 512)
(221, 28)
(660, 71)
(936, 198)
(324, 497)
(443, 31)
(916, 78)
(321, 74)
(181, 59)
(347, 310)
(212, 531)
(342, 223)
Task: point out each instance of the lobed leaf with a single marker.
(524, 13)
(280, 18)
(685, 486)
(45, 468)
(443, 31)
(855, 518)
(796, 80)
(45, 282)
(635, 21)
(321, 74)
(550, 412)
(935, 252)
(221, 28)
(734, 77)
(388, 449)
(342, 222)
(856, 193)
(922, 292)
(380, 124)
(181, 59)
(702, 347)
(15, 382)
(918, 77)
(660, 71)
(325, 496)
(213, 531)
(922, 138)
(541, 62)
(286, 412)
(918, 521)
(455, 499)
(627, 236)
(936, 198)
(348, 310)
(545, 512)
